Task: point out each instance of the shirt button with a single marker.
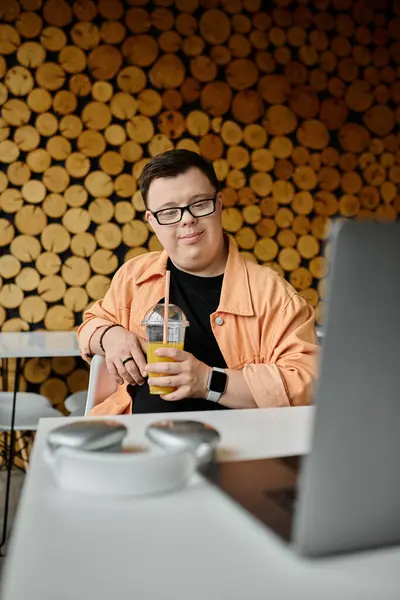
(219, 321)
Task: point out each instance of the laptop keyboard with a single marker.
(284, 498)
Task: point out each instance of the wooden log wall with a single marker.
(296, 102)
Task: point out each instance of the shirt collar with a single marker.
(156, 269)
(235, 293)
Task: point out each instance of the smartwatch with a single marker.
(216, 384)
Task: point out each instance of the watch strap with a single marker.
(213, 396)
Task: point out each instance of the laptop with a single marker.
(344, 496)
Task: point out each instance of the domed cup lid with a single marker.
(155, 317)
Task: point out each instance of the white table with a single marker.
(32, 344)
(195, 544)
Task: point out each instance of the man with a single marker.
(251, 340)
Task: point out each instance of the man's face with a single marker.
(195, 242)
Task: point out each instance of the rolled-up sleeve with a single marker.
(102, 312)
(287, 379)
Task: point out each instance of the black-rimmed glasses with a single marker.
(200, 208)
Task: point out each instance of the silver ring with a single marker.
(127, 360)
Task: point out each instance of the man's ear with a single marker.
(149, 217)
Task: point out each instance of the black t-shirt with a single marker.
(198, 297)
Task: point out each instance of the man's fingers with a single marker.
(112, 369)
(121, 374)
(170, 381)
(124, 373)
(140, 360)
(179, 394)
(164, 367)
(173, 353)
(134, 372)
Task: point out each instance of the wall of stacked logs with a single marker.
(296, 103)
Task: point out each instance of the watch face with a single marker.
(218, 382)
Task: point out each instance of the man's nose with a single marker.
(187, 218)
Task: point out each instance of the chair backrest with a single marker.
(101, 384)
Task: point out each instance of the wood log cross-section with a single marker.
(297, 107)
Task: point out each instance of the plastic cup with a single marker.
(154, 323)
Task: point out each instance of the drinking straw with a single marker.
(166, 307)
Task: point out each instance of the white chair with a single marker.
(29, 409)
(75, 403)
(101, 384)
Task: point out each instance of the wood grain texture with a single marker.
(297, 107)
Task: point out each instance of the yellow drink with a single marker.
(153, 358)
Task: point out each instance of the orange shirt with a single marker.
(262, 325)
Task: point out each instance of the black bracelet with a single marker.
(104, 333)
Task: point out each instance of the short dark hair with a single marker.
(173, 163)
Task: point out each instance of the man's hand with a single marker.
(187, 374)
(120, 344)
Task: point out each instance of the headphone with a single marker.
(89, 456)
